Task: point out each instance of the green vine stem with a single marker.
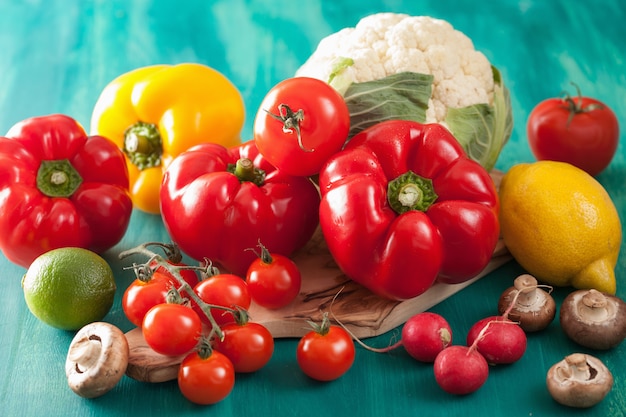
(172, 252)
(204, 348)
(264, 254)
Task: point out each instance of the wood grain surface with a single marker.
(325, 289)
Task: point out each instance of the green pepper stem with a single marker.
(244, 169)
(410, 191)
(143, 145)
(58, 178)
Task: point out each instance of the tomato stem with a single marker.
(174, 297)
(291, 122)
(204, 349)
(323, 327)
(264, 255)
(172, 251)
(574, 106)
(143, 272)
(241, 316)
(209, 270)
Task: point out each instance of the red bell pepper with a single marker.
(58, 188)
(219, 203)
(402, 206)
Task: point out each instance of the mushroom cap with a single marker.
(534, 308)
(579, 381)
(593, 319)
(96, 360)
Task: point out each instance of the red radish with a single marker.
(424, 335)
(498, 339)
(460, 370)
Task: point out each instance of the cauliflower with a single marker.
(463, 91)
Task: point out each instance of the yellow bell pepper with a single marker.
(154, 113)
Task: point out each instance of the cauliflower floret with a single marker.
(388, 43)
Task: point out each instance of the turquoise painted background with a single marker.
(57, 55)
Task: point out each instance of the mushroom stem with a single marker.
(577, 368)
(96, 360)
(85, 353)
(579, 380)
(527, 303)
(594, 319)
(595, 307)
(526, 286)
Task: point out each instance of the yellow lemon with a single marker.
(68, 288)
(561, 225)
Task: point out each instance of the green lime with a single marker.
(68, 288)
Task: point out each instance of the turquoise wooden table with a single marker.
(57, 55)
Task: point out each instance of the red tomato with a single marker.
(581, 131)
(225, 290)
(274, 280)
(206, 380)
(300, 123)
(189, 275)
(326, 353)
(140, 296)
(249, 346)
(171, 329)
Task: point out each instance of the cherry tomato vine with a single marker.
(145, 271)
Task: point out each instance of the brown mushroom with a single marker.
(579, 381)
(96, 359)
(594, 319)
(532, 307)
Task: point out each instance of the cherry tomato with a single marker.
(225, 290)
(140, 296)
(206, 380)
(300, 123)
(325, 353)
(189, 275)
(581, 131)
(171, 329)
(249, 346)
(274, 280)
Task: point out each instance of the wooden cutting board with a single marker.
(361, 311)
